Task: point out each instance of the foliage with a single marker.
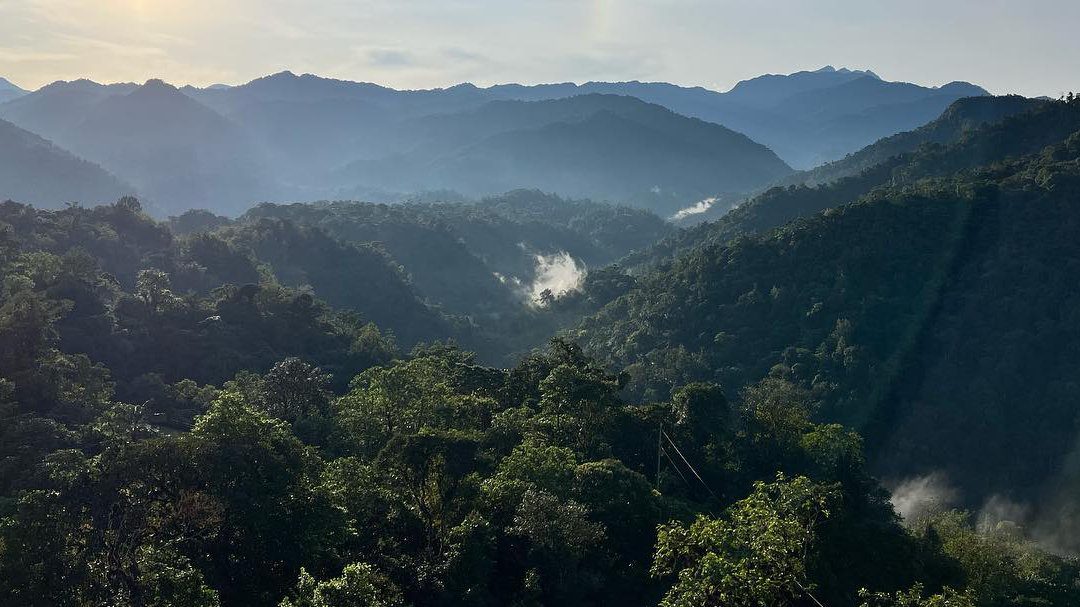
(754, 556)
(358, 586)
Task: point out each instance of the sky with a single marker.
(1030, 47)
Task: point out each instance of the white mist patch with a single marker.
(999, 510)
(921, 495)
(556, 274)
(695, 209)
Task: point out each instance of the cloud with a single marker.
(389, 57)
(20, 55)
(600, 63)
(456, 53)
(111, 47)
(556, 275)
(695, 209)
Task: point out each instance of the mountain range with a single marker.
(598, 146)
(177, 151)
(807, 118)
(287, 137)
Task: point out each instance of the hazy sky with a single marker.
(1026, 46)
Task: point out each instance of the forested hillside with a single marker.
(934, 316)
(165, 445)
(940, 148)
(961, 118)
(503, 274)
(478, 258)
(120, 289)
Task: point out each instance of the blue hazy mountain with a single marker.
(600, 146)
(34, 170)
(9, 90)
(293, 137)
(807, 118)
(56, 108)
(177, 152)
(288, 137)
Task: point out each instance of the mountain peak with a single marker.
(963, 88)
(156, 88)
(157, 83)
(82, 84)
(283, 76)
(7, 85)
(464, 86)
(828, 69)
(9, 91)
(156, 96)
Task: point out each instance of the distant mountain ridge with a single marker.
(34, 170)
(768, 87)
(290, 137)
(177, 152)
(287, 137)
(600, 146)
(53, 108)
(807, 118)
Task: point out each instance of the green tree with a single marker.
(155, 289)
(755, 555)
(359, 585)
(277, 516)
